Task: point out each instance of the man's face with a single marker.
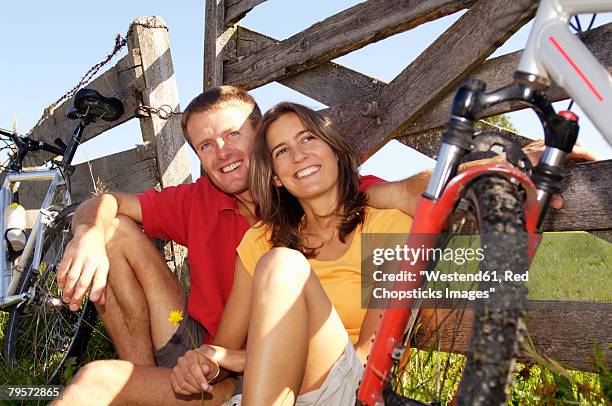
(223, 140)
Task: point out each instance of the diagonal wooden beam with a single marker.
(333, 84)
(124, 80)
(329, 83)
(335, 36)
(497, 72)
(464, 46)
(235, 10)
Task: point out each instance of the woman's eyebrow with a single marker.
(295, 136)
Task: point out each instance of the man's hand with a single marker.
(193, 373)
(84, 265)
(580, 153)
(535, 150)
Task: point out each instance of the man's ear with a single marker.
(276, 181)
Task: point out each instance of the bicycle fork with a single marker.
(561, 132)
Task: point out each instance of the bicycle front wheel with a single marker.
(42, 333)
(489, 217)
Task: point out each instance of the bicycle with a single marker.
(504, 203)
(41, 330)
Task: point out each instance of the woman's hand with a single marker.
(231, 360)
(193, 372)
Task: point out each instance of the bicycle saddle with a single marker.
(89, 101)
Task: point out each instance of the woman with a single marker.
(297, 285)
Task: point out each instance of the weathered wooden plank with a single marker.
(333, 84)
(150, 36)
(129, 171)
(497, 72)
(428, 142)
(124, 81)
(565, 331)
(246, 42)
(585, 188)
(335, 36)
(329, 83)
(434, 73)
(605, 235)
(214, 28)
(586, 195)
(236, 10)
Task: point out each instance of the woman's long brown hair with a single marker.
(281, 211)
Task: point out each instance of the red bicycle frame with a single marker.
(430, 219)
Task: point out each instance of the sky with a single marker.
(46, 48)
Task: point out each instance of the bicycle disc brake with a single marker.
(487, 142)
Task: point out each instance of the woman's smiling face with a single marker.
(303, 163)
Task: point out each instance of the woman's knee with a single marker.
(281, 267)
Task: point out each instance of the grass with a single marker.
(99, 347)
(568, 266)
(573, 266)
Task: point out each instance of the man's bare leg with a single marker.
(123, 383)
(141, 291)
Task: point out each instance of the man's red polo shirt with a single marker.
(208, 222)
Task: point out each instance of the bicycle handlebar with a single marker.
(27, 144)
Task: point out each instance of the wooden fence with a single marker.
(411, 108)
(414, 106)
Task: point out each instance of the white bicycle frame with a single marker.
(553, 51)
(11, 273)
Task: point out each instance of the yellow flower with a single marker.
(175, 317)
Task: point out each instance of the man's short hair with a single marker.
(217, 98)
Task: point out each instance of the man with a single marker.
(209, 216)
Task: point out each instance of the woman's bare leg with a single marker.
(295, 335)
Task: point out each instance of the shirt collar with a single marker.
(227, 203)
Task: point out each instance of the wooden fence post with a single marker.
(148, 36)
(215, 37)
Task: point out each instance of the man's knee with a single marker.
(97, 371)
(122, 229)
(281, 267)
(126, 242)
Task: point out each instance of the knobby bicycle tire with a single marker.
(497, 207)
(43, 333)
